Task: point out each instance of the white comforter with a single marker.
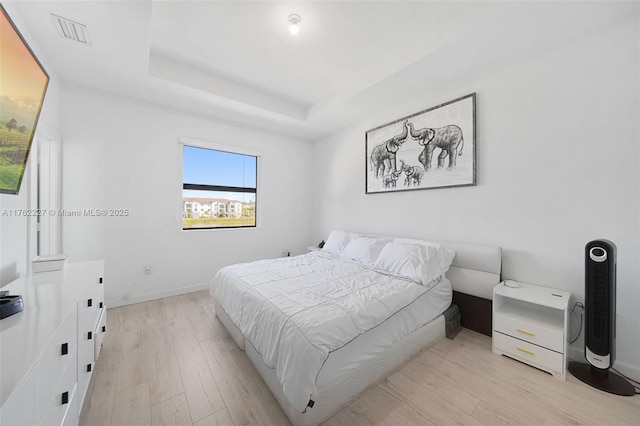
(297, 310)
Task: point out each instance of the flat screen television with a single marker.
(23, 84)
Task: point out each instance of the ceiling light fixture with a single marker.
(295, 20)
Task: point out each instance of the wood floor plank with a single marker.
(437, 381)
(202, 323)
(131, 406)
(239, 395)
(152, 314)
(252, 380)
(347, 417)
(220, 418)
(134, 358)
(165, 380)
(491, 415)
(174, 311)
(426, 401)
(380, 407)
(202, 392)
(171, 412)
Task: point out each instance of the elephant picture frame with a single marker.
(433, 148)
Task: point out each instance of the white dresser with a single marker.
(530, 324)
(47, 351)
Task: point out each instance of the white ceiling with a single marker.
(237, 61)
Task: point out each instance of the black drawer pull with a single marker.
(88, 368)
(104, 328)
(90, 335)
(65, 398)
(65, 349)
(100, 305)
(90, 302)
(100, 280)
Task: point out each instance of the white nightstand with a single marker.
(313, 248)
(530, 324)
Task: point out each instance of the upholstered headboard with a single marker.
(474, 273)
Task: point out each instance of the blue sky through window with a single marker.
(211, 167)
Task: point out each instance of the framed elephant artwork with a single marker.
(434, 148)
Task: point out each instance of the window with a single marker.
(219, 188)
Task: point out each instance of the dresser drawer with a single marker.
(530, 331)
(100, 332)
(62, 397)
(86, 345)
(537, 356)
(55, 358)
(90, 304)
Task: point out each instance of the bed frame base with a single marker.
(234, 331)
(331, 397)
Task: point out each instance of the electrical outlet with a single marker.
(147, 269)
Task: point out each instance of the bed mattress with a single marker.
(399, 308)
(368, 345)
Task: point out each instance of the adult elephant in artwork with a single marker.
(448, 138)
(383, 156)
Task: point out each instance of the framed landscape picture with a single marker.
(434, 148)
(23, 83)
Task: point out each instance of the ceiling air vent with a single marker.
(71, 30)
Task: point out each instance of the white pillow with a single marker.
(364, 249)
(413, 261)
(337, 241)
(445, 255)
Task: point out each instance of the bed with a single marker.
(322, 327)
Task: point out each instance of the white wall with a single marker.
(122, 154)
(14, 230)
(557, 165)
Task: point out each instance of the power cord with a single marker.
(581, 306)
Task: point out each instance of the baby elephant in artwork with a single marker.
(413, 174)
(389, 181)
(448, 138)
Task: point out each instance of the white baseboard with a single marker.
(145, 297)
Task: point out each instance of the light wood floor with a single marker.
(171, 362)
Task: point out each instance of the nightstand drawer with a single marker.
(530, 331)
(542, 358)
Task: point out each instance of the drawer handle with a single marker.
(88, 368)
(89, 335)
(100, 280)
(65, 349)
(526, 351)
(65, 398)
(104, 328)
(100, 305)
(528, 333)
(89, 302)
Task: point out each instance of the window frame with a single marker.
(196, 143)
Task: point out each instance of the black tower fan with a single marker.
(600, 321)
